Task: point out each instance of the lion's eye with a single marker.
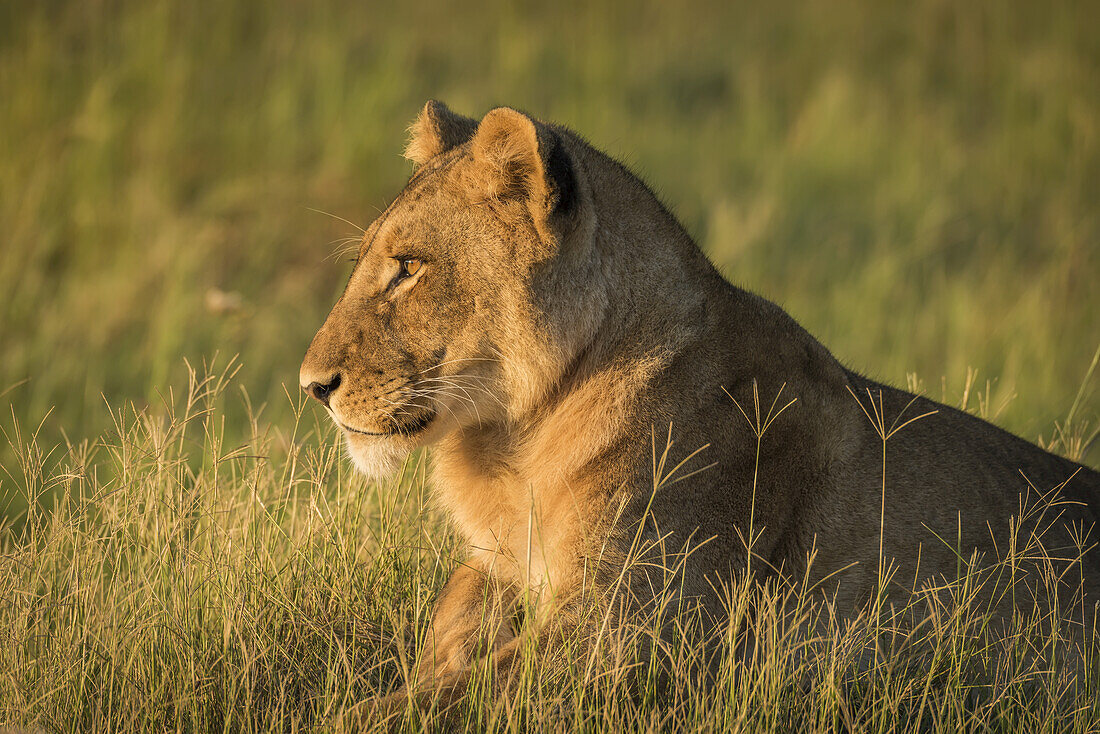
(410, 267)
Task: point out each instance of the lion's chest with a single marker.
(526, 531)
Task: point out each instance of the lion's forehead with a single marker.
(428, 221)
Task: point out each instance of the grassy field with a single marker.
(916, 183)
(211, 587)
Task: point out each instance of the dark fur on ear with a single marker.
(435, 131)
(525, 160)
(559, 169)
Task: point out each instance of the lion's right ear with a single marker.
(436, 130)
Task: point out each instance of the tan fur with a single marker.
(561, 321)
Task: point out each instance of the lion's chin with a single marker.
(377, 457)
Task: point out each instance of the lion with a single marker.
(529, 308)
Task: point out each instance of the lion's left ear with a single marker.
(435, 131)
(521, 159)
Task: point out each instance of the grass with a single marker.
(916, 183)
(257, 587)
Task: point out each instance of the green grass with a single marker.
(263, 587)
(916, 183)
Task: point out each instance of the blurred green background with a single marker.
(917, 183)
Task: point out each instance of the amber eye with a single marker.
(410, 267)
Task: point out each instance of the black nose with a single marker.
(323, 392)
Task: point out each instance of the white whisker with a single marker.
(432, 392)
(345, 221)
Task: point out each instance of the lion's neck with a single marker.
(657, 277)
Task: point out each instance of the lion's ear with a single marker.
(519, 158)
(436, 130)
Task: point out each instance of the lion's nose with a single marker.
(323, 391)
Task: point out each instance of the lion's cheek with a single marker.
(376, 458)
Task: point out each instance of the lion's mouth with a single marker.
(408, 428)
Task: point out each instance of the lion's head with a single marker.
(473, 291)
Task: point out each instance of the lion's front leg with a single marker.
(459, 643)
(471, 619)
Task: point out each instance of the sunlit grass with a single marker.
(178, 582)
